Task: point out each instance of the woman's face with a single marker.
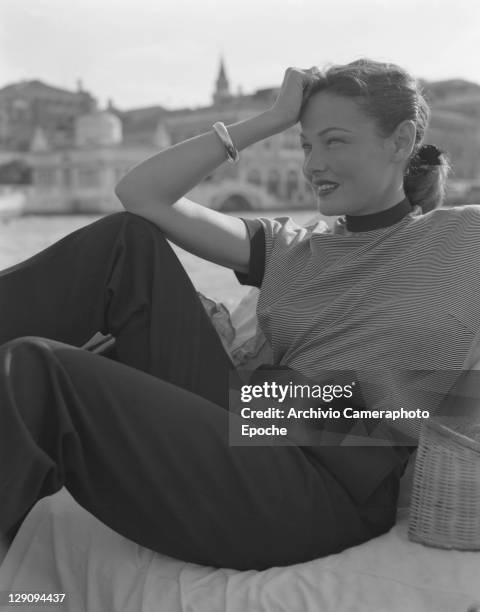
(346, 160)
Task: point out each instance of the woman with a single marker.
(142, 443)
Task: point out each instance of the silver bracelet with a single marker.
(232, 153)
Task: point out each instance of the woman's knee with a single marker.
(133, 221)
(25, 379)
(22, 344)
(140, 237)
(33, 343)
(35, 379)
(123, 226)
(24, 352)
(17, 357)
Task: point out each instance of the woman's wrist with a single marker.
(254, 129)
(280, 119)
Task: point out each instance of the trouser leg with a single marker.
(118, 275)
(152, 461)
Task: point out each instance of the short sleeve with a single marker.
(256, 266)
(264, 235)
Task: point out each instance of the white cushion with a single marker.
(63, 548)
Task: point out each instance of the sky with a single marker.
(166, 52)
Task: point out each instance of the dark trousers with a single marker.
(141, 442)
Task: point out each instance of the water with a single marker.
(22, 237)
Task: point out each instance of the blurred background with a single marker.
(89, 89)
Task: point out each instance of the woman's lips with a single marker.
(326, 188)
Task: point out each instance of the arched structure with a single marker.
(235, 202)
(233, 195)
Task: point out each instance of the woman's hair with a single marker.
(389, 95)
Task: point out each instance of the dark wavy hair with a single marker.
(389, 95)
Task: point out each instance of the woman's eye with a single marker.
(334, 141)
(306, 146)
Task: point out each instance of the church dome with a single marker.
(98, 128)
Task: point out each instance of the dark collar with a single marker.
(384, 218)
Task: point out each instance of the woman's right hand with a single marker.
(290, 98)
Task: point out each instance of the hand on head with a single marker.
(288, 105)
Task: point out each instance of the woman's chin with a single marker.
(329, 207)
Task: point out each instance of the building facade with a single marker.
(26, 105)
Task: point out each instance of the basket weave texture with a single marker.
(445, 502)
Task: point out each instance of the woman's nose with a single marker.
(315, 162)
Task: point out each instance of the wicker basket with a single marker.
(445, 502)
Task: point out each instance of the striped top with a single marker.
(397, 304)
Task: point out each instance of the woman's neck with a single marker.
(383, 218)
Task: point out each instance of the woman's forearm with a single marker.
(167, 176)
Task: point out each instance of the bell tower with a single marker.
(222, 91)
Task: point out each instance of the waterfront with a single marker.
(22, 237)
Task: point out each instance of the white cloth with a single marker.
(63, 548)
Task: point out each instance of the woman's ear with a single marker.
(403, 139)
